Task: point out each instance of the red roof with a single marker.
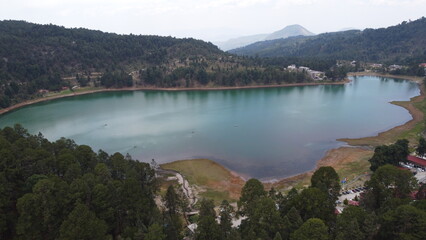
(422, 65)
(353, 203)
(416, 160)
(413, 194)
(403, 168)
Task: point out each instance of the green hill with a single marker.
(38, 58)
(403, 43)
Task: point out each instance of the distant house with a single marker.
(394, 67)
(292, 67)
(43, 91)
(306, 69)
(316, 75)
(376, 65)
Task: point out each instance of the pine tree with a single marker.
(421, 148)
(348, 230)
(155, 232)
(208, 228)
(313, 228)
(277, 236)
(225, 219)
(82, 224)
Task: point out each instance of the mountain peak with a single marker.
(289, 31)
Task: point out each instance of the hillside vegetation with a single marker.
(38, 58)
(403, 43)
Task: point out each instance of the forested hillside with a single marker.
(38, 58)
(403, 43)
(61, 190)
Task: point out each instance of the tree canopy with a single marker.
(61, 190)
(392, 154)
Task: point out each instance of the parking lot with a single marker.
(350, 194)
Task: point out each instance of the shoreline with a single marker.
(336, 157)
(384, 137)
(386, 75)
(100, 90)
(355, 152)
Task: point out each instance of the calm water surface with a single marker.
(264, 133)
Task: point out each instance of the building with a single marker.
(292, 67)
(394, 67)
(302, 68)
(376, 65)
(416, 161)
(316, 75)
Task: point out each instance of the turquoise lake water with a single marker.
(264, 133)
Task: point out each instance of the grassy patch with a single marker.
(216, 196)
(351, 170)
(199, 171)
(217, 182)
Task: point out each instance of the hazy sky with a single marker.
(213, 20)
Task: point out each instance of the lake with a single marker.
(264, 133)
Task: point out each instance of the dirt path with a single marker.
(186, 188)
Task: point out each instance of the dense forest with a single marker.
(401, 44)
(61, 190)
(38, 58)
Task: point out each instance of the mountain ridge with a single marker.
(398, 43)
(288, 31)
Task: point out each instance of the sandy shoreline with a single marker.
(44, 99)
(388, 137)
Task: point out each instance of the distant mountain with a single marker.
(240, 41)
(403, 42)
(347, 29)
(289, 31)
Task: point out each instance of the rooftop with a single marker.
(416, 160)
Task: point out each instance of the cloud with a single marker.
(393, 2)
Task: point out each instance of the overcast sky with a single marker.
(213, 20)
